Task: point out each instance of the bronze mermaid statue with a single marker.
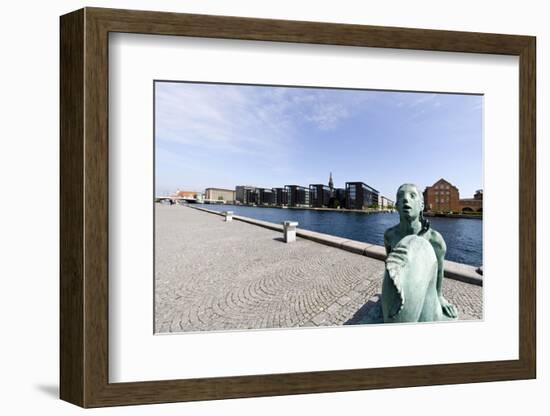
(412, 285)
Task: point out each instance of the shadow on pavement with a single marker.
(369, 313)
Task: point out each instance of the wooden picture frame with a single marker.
(84, 207)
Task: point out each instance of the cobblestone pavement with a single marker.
(213, 275)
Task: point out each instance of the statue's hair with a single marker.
(406, 184)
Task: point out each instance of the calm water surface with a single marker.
(463, 236)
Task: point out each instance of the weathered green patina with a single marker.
(412, 286)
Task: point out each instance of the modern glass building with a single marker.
(266, 196)
(319, 195)
(359, 195)
(242, 193)
(281, 196)
(298, 196)
(340, 195)
(252, 196)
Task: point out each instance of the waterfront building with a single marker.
(266, 196)
(281, 196)
(319, 195)
(298, 196)
(340, 197)
(474, 204)
(252, 196)
(242, 193)
(359, 195)
(337, 196)
(442, 196)
(219, 194)
(384, 202)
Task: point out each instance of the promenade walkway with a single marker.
(213, 275)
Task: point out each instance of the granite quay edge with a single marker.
(326, 239)
(453, 270)
(376, 252)
(357, 247)
(467, 216)
(463, 272)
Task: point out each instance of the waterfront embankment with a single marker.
(453, 270)
(454, 215)
(217, 275)
(326, 209)
(464, 238)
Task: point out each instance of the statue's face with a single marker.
(409, 202)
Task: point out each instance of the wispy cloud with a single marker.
(421, 99)
(212, 118)
(244, 119)
(423, 105)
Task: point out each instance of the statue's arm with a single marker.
(440, 249)
(387, 240)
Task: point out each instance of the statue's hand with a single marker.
(448, 309)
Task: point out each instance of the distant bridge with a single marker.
(176, 199)
(189, 200)
(471, 205)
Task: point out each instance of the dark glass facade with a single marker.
(281, 196)
(359, 195)
(355, 195)
(242, 194)
(319, 195)
(298, 196)
(266, 196)
(340, 195)
(252, 196)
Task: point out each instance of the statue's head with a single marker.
(409, 201)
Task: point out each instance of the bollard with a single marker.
(290, 231)
(228, 216)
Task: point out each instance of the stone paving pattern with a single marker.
(211, 275)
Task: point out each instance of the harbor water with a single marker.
(463, 236)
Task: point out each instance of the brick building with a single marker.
(442, 196)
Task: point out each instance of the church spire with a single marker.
(330, 183)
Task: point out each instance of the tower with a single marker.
(330, 184)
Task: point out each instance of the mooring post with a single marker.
(228, 216)
(290, 231)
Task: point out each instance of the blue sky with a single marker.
(215, 135)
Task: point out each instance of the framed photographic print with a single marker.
(254, 207)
